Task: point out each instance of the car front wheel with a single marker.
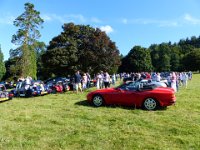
(150, 104)
(97, 100)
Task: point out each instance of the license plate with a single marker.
(3, 99)
(43, 93)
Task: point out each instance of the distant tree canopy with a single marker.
(181, 56)
(137, 60)
(191, 61)
(2, 65)
(81, 47)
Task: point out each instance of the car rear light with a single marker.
(11, 95)
(68, 88)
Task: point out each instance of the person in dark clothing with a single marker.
(77, 79)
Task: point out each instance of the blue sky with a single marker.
(127, 22)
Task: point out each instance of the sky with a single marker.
(127, 22)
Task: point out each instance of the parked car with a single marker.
(59, 84)
(37, 88)
(149, 97)
(4, 94)
(58, 87)
(162, 83)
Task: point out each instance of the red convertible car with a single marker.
(149, 97)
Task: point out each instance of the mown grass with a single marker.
(67, 121)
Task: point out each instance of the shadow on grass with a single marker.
(87, 104)
(5, 101)
(84, 103)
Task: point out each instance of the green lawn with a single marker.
(66, 121)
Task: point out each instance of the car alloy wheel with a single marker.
(150, 104)
(97, 100)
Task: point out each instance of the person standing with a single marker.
(98, 80)
(88, 80)
(185, 79)
(113, 79)
(77, 79)
(106, 80)
(84, 81)
(173, 81)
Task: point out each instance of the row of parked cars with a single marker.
(35, 88)
(141, 93)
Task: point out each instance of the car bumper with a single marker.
(5, 98)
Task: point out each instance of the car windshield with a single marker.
(130, 86)
(137, 85)
(2, 88)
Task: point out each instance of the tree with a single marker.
(12, 69)
(191, 61)
(81, 47)
(160, 55)
(26, 36)
(175, 58)
(40, 50)
(137, 60)
(2, 65)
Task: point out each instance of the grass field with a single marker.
(67, 121)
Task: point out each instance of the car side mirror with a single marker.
(120, 90)
(140, 86)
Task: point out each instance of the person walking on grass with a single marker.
(84, 81)
(77, 79)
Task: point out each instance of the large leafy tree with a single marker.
(191, 61)
(137, 60)
(26, 37)
(161, 56)
(81, 47)
(175, 58)
(12, 70)
(2, 65)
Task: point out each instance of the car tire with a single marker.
(150, 104)
(97, 100)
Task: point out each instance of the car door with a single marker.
(125, 95)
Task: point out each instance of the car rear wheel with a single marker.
(150, 104)
(97, 100)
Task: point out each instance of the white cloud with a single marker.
(192, 20)
(124, 21)
(95, 20)
(64, 18)
(108, 29)
(46, 17)
(184, 20)
(76, 18)
(159, 23)
(8, 20)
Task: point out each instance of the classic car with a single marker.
(59, 84)
(147, 96)
(5, 95)
(37, 88)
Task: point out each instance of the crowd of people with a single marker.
(104, 79)
(174, 79)
(82, 81)
(100, 80)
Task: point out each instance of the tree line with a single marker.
(82, 47)
(181, 56)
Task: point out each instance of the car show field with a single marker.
(68, 121)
